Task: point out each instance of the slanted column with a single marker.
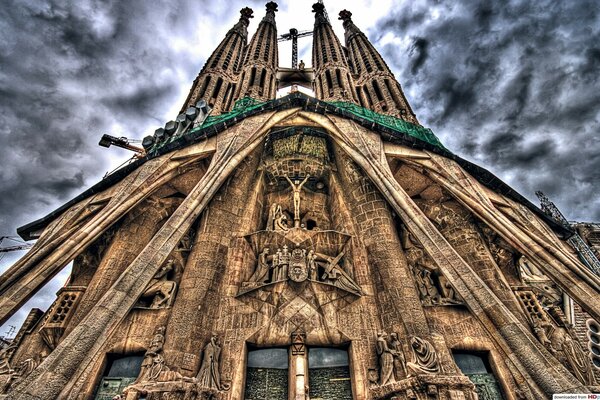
(195, 309)
(137, 230)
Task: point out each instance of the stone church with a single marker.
(301, 247)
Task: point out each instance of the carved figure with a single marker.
(424, 357)
(154, 350)
(274, 213)
(261, 273)
(311, 259)
(529, 271)
(399, 360)
(160, 288)
(185, 244)
(339, 278)
(281, 223)
(579, 362)
(386, 360)
(572, 355)
(277, 267)
(296, 188)
(426, 285)
(284, 262)
(209, 375)
(448, 294)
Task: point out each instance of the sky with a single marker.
(512, 86)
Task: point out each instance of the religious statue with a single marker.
(448, 294)
(185, 244)
(297, 269)
(312, 265)
(160, 288)
(296, 188)
(335, 275)
(274, 212)
(399, 360)
(386, 360)
(299, 264)
(154, 350)
(209, 375)
(261, 273)
(424, 357)
(427, 289)
(570, 353)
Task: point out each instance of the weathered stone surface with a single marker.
(297, 232)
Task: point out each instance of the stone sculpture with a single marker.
(261, 273)
(425, 358)
(399, 359)
(567, 350)
(209, 375)
(296, 188)
(160, 289)
(386, 360)
(298, 265)
(148, 368)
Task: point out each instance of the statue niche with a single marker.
(160, 292)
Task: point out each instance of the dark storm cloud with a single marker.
(513, 86)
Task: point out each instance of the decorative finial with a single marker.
(345, 16)
(271, 6)
(246, 13)
(318, 8)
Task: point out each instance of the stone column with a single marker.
(298, 376)
(401, 309)
(196, 305)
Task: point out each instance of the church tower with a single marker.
(259, 70)
(376, 87)
(297, 247)
(332, 80)
(217, 81)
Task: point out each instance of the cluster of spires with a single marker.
(355, 73)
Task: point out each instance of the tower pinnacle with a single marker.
(376, 86)
(332, 73)
(258, 79)
(216, 81)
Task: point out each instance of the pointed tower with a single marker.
(332, 80)
(259, 71)
(375, 85)
(216, 82)
(297, 248)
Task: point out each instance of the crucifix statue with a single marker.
(296, 188)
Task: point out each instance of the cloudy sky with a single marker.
(510, 85)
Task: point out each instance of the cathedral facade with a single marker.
(301, 247)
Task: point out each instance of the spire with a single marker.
(376, 86)
(216, 81)
(259, 71)
(332, 73)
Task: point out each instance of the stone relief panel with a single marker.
(434, 289)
